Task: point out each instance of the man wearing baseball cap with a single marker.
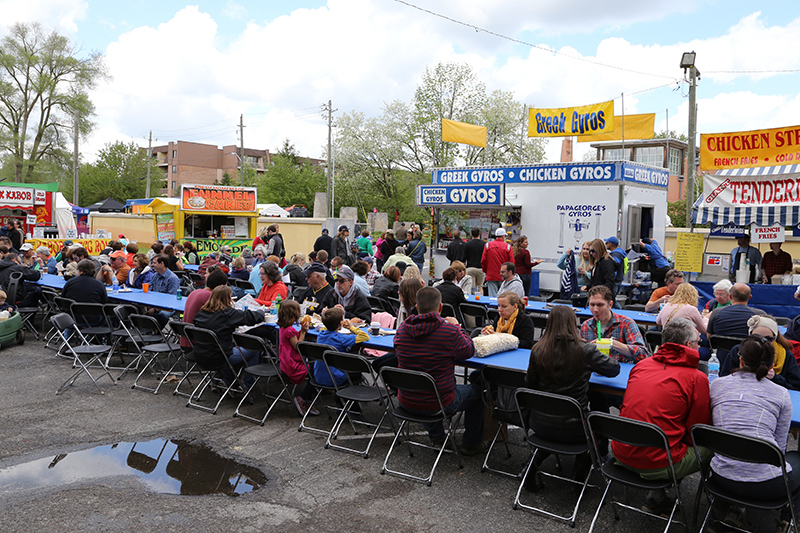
(620, 257)
(118, 267)
(495, 254)
(349, 297)
(27, 255)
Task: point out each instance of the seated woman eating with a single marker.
(512, 319)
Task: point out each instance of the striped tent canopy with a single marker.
(786, 215)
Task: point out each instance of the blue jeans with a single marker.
(493, 287)
(239, 358)
(467, 399)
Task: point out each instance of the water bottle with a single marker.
(278, 301)
(179, 295)
(713, 367)
(115, 285)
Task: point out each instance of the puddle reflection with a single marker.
(165, 466)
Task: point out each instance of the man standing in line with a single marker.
(619, 257)
(473, 254)
(455, 250)
(323, 242)
(495, 254)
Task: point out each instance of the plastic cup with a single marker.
(375, 328)
(145, 287)
(604, 345)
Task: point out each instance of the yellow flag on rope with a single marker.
(461, 132)
(635, 127)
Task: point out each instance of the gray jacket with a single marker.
(513, 285)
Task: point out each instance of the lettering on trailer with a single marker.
(648, 176)
(441, 195)
(531, 174)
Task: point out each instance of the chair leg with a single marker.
(600, 506)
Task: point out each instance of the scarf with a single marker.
(780, 357)
(347, 299)
(507, 326)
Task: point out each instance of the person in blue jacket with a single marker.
(655, 257)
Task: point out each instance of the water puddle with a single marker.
(165, 466)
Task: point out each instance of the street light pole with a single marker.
(687, 62)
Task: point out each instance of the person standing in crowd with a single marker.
(378, 252)
(323, 242)
(523, 263)
(669, 391)
(455, 250)
(751, 254)
(416, 249)
(659, 265)
(495, 254)
(364, 243)
(775, 262)
(429, 343)
(275, 242)
(722, 296)
(15, 235)
(584, 264)
(512, 319)
(604, 267)
(620, 257)
(388, 247)
(747, 404)
(473, 257)
(262, 237)
(399, 256)
(340, 247)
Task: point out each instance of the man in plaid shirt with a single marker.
(627, 343)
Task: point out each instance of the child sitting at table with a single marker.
(291, 362)
(333, 320)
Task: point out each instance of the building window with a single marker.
(174, 169)
(650, 155)
(174, 154)
(251, 159)
(615, 154)
(676, 161)
(174, 185)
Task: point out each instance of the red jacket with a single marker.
(669, 391)
(495, 254)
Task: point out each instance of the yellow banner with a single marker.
(633, 126)
(567, 121)
(93, 246)
(689, 252)
(748, 149)
(461, 132)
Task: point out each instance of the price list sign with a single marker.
(689, 253)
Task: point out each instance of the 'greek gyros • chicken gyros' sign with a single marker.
(461, 195)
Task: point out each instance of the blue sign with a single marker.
(461, 195)
(729, 230)
(563, 172)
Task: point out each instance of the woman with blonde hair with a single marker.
(512, 319)
(605, 269)
(583, 264)
(462, 280)
(412, 272)
(682, 304)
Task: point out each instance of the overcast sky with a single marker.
(187, 72)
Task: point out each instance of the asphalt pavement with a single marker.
(309, 487)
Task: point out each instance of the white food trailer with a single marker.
(557, 206)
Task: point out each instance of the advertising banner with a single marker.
(567, 121)
(632, 126)
(748, 149)
(751, 191)
(218, 198)
(93, 246)
(460, 195)
(44, 210)
(165, 227)
(16, 197)
(207, 246)
(729, 230)
(461, 132)
(773, 233)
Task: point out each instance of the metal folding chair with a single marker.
(62, 322)
(148, 325)
(640, 434)
(653, 339)
(27, 314)
(476, 312)
(49, 296)
(311, 352)
(269, 369)
(376, 304)
(539, 323)
(500, 385)
(352, 393)
(91, 320)
(415, 382)
(124, 333)
(533, 403)
(187, 355)
(199, 336)
(740, 448)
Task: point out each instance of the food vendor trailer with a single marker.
(208, 215)
(557, 206)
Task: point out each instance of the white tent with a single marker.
(271, 210)
(63, 215)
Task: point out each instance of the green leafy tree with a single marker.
(290, 179)
(672, 134)
(43, 86)
(225, 180)
(120, 173)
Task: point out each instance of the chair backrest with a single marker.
(49, 296)
(313, 351)
(529, 400)
(395, 305)
(90, 311)
(253, 343)
(475, 310)
(62, 321)
(783, 321)
(537, 299)
(500, 386)
(349, 363)
(736, 446)
(375, 304)
(13, 287)
(539, 320)
(179, 327)
(653, 339)
(64, 304)
(123, 313)
(723, 342)
(408, 380)
(146, 324)
(628, 431)
(560, 301)
(634, 307)
(200, 336)
(245, 285)
(448, 310)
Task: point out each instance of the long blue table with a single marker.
(135, 296)
(541, 307)
(776, 300)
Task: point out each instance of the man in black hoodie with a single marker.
(28, 295)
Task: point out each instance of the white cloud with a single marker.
(55, 14)
(234, 10)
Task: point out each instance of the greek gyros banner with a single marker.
(461, 195)
(751, 191)
(567, 121)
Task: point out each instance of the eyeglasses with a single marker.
(696, 342)
(342, 280)
(765, 339)
(592, 251)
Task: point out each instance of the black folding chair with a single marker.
(546, 405)
(49, 296)
(739, 448)
(268, 369)
(499, 385)
(634, 307)
(61, 322)
(643, 435)
(64, 305)
(537, 299)
(449, 311)
(91, 320)
(476, 312)
(653, 339)
(352, 393)
(376, 304)
(28, 313)
(539, 323)
(395, 305)
(187, 355)
(414, 382)
(312, 352)
(723, 342)
(125, 333)
(207, 338)
(148, 325)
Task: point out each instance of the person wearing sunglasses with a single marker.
(347, 296)
(785, 372)
(605, 269)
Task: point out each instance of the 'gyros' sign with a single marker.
(456, 195)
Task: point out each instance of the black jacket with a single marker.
(453, 295)
(307, 293)
(603, 274)
(385, 288)
(473, 252)
(456, 251)
(523, 330)
(323, 242)
(388, 247)
(85, 289)
(16, 238)
(7, 267)
(359, 307)
(296, 275)
(223, 323)
(340, 248)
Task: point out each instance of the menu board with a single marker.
(689, 252)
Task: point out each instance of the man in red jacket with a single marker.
(669, 391)
(495, 254)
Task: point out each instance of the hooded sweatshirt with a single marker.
(427, 343)
(669, 391)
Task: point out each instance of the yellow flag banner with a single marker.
(749, 149)
(461, 132)
(568, 121)
(634, 126)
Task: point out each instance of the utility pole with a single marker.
(241, 140)
(149, 155)
(687, 62)
(522, 133)
(75, 134)
(329, 192)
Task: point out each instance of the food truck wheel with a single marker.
(21, 337)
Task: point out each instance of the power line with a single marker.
(537, 46)
(752, 71)
(201, 127)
